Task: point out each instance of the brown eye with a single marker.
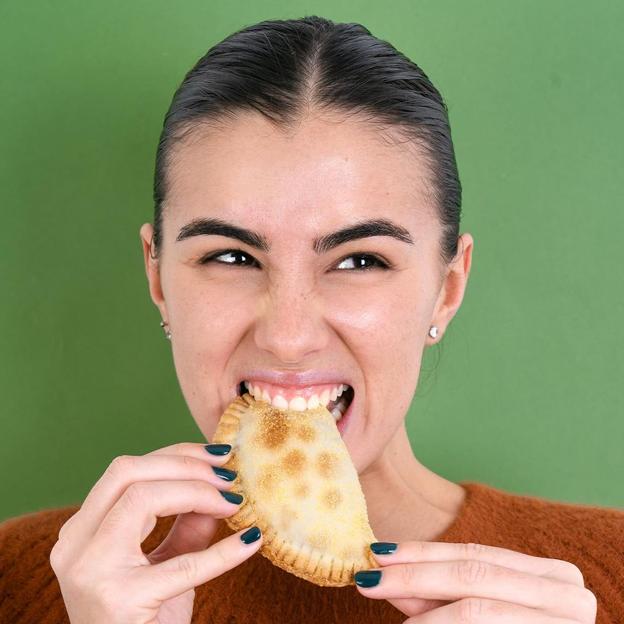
(365, 262)
(231, 253)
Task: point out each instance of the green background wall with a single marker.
(524, 392)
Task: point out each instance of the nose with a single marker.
(290, 323)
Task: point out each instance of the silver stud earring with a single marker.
(167, 332)
(433, 331)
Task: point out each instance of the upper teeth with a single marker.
(299, 403)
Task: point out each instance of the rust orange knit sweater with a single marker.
(257, 591)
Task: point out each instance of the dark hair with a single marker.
(282, 68)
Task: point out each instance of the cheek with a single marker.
(389, 320)
(205, 312)
(387, 334)
(207, 321)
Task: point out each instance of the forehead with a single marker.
(324, 172)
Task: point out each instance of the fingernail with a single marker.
(218, 449)
(367, 578)
(232, 497)
(224, 473)
(383, 548)
(250, 535)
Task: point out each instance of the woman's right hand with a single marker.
(104, 575)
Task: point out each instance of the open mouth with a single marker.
(341, 404)
(337, 407)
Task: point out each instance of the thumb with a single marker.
(190, 532)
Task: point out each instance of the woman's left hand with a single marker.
(440, 583)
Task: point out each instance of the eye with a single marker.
(228, 252)
(366, 261)
(377, 262)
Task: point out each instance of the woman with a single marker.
(306, 234)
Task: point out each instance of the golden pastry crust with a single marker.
(300, 488)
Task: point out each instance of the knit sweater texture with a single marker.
(256, 591)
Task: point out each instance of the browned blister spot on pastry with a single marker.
(267, 478)
(326, 463)
(294, 462)
(306, 432)
(302, 490)
(331, 498)
(275, 428)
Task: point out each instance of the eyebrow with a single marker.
(361, 229)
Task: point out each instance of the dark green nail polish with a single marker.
(250, 535)
(367, 578)
(218, 449)
(232, 497)
(383, 548)
(224, 473)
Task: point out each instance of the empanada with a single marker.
(300, 487)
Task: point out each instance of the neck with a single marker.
(405, 500)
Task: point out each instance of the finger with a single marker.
(416, 606)
(480, 610)
(134, 515)
(455, 580)
(179, 574)
(556, 569)
(126, 470)
(194, 449)
(190, 532)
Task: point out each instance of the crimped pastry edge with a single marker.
(314, 566)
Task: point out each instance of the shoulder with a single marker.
(38, 519)
(32, 531)
(28, 586)
(589, 536)
(533, 520)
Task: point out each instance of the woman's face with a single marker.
(290, 307)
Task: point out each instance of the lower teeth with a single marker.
(339, 410)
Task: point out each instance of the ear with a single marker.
(152, 269)
(453, 286)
